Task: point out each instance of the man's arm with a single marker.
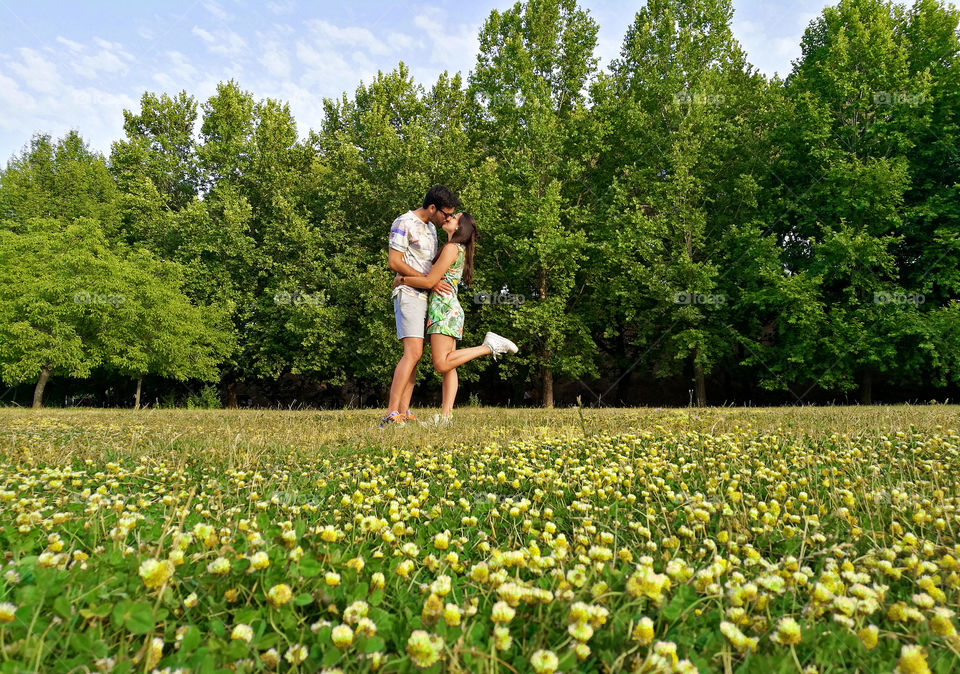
(447, 257)
(398, 264)
(403, 269)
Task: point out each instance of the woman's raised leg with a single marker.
(447, 357)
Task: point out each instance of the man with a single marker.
(413, 246)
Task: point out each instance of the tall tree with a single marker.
(853, 106)
(530, 117)
(683, 115)
(929, 256)
(70, 302)
(160, 146)
(157, 331)
(62, 180)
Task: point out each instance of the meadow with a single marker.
(569, 540)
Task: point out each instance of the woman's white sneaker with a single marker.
(499, 345)
(440, 421)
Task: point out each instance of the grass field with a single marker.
(773, 540)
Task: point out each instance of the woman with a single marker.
(454, 262)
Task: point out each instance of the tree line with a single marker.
(677, 216)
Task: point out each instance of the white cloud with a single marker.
(179, 70)
(284, 7)
(204, 35)
(105, 44)
(430, 19)
(70, 44)
(36, 72)
(104, 61)
(13, 99)
(325, 60)
(456, 53)
(225, 42)
(276, 61)
(214, 8)
(363, 62)
(350, 36)
(400, 41)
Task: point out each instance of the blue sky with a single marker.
(68, 64)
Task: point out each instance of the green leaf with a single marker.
(331, 657)
(218, 628)
(139, 618)
(371, 645)
(682, 600)
(360, 592)
(96, 611)
(191, 639)
(246, 616)
(310, 567)
(61, 606)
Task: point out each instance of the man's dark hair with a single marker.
(442, 197)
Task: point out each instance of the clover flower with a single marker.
(739, 640)
(342, 636)
(643, 632)
(242, 632)
(544, 661)
(278, 595)
(296, 654)
(7, 612)
(424, 648)
(912, 660)
(788, 632)
(155, 573)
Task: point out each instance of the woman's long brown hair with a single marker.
(466, 234)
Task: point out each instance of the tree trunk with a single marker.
(547, 396)
(136, 402)
(866, 388)
(232, 394)
(701, 384)
(623, 381)
(38, 391)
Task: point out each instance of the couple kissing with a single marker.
(425, 299)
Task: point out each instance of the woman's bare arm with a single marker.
(447, 257)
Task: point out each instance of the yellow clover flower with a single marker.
(155, 573)
(342, 636)
(242, 632)
(424, 648)
(278, 595)
(7, 612)
(544, 662)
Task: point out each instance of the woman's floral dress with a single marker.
(444, 313)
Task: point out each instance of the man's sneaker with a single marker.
(409, 416)
(499, 345)
(392, 419)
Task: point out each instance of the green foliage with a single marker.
(530, 118)
(676, 216)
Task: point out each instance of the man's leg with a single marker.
(407, 393)
(411, 316)
(404, 375)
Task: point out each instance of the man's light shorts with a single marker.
(410, 310)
